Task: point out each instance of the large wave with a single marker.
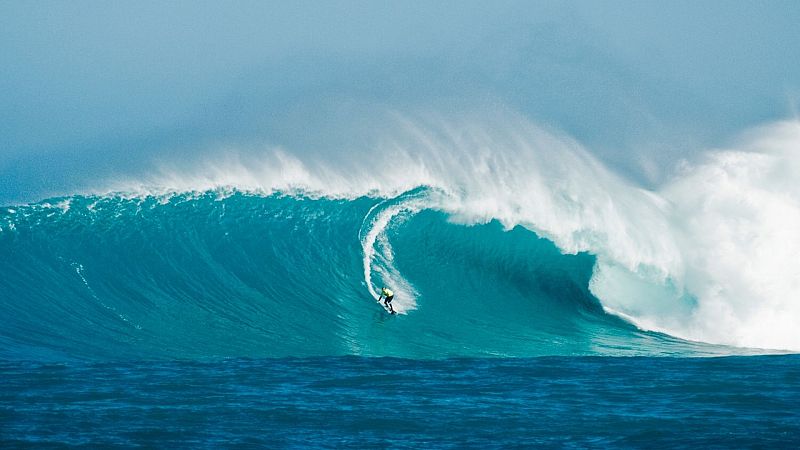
(234, 274)
(279, 253)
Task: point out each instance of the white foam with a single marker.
(377, 250)
(737, 218)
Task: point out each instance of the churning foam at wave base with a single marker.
(711, 256)
(737, 216)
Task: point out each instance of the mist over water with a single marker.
(92, 95)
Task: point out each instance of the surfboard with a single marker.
(386, 308)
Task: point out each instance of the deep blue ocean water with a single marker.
(226, 319)
(362, 402)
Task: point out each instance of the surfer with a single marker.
(385, 292)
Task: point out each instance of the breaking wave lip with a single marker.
(707, 257)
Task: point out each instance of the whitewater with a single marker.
(498, 235)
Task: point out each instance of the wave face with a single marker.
(233, 274)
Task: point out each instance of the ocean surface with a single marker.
(223, 318)
(362, 402)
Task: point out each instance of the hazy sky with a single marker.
(91, 89)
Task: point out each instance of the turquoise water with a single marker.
(205, 275)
